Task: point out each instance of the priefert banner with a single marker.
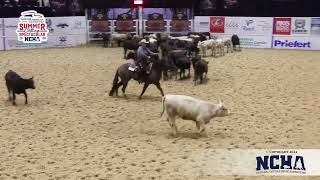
(296, 42)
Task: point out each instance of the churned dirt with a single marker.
(72, 129)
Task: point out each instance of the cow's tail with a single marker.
(163, 106)
(114, 84)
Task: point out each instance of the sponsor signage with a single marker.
(217, 24)
(232, 25)
(255, 41)
(32, 28)
(261, 26)
(296, 42)
(315, 26)
(282, 26)
(62, 32)
(201, 23)
(301, 26)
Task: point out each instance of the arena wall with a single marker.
(1, 34)
(265, 32)
(254, 32)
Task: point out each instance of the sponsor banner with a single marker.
(53, 41)
(217, 24)
(301, 26)
(282, 26)
(63, 32)
(232, 25)
(296, 42)
(11, 25)
(13, 43)
(179, 25)
(56, 25)
(32, 28)
(249, 41)
(255, 41)
(66, 40)
(257, 26)
(315, 26)
(66, 25)
(253, 162)
(201, 23)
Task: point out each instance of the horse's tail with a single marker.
(163, 107)
(115, 83)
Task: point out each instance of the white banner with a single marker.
(1, 44)
(296, 42)
(250, 41)
(13, 43)
(63, 32)
(255, 41)
(66, 25)
(232, 25)
(315, 26)
(11, 25)
(1, 35)
(256, 26)
(300, 26)
(202, 23)
(66, 40)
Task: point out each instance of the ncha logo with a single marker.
(280, 162)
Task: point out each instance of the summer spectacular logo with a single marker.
(32, 28)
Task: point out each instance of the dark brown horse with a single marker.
(126, 75)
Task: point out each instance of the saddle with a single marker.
(133, 67)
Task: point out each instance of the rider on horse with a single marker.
(143, 57)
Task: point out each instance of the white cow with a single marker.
(189, 108)
(228, 44)
(205, 45)
(219, 47)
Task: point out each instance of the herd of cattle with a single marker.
(177, 54)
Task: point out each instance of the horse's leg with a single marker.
(165, 75)
(125, 84)
(159, 87)
(201, 78)
(117, 87)
(124, 52)
(9, 93)
(144, 89)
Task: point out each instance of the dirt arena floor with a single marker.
(72, 129)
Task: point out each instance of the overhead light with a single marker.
(138, 2)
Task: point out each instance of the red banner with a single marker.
(125, 26)
(155, 25)
(217, 24)
(282, 26)
(100, 26)
(179, 25)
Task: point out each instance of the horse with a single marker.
(126, 75)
